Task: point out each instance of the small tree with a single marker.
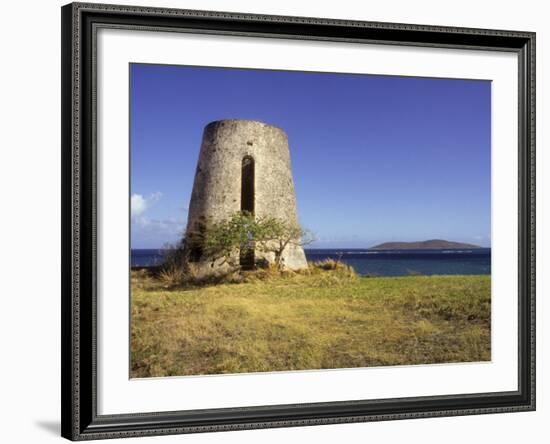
(275, 236)
(224, 240)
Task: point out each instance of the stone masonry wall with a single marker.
(217, 187)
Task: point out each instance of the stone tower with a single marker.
(244, 165)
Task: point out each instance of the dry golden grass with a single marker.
(324, 318)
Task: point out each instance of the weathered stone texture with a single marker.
(217, 187)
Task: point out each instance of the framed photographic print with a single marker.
(281, 221)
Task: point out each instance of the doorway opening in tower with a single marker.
(247, 204)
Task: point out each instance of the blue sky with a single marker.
(374, 158)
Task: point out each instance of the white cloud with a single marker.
(148, 232)
(156, 233)
(155, 196)
(140, 204)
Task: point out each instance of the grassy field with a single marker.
(318, 321)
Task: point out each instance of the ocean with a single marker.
(378, 262)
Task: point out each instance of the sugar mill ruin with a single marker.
(244, 165)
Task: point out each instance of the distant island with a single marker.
(429, 244)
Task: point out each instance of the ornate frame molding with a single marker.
(80, 22)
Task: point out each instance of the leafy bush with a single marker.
(223, 241)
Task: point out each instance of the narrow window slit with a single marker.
(247, 204)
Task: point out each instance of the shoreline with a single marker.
(426, 262)
(153, 269)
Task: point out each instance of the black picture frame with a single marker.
(80, 420)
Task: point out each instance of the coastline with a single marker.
(367, 262)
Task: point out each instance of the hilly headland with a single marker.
(424, 245)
